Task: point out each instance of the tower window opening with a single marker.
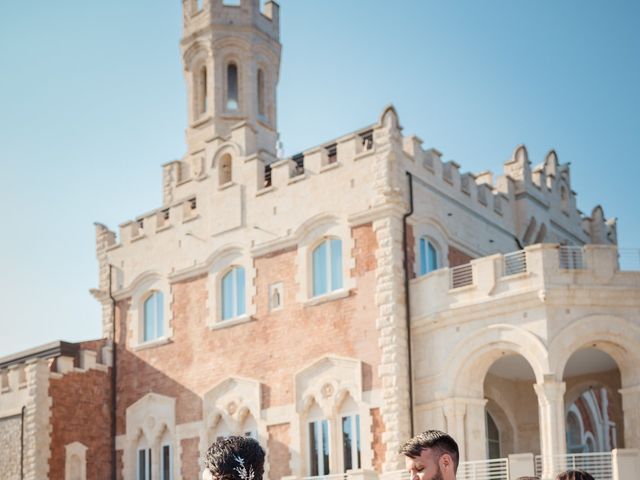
(192, 204)
(232, 87)
(225, 175)
(299, 164)
(260, 86)
(202, 91)
(367, 140)
(332, 153)
(267, 176)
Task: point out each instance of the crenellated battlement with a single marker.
(200, 14)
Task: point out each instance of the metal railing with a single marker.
(461, 276)
(597, 464)
(332, 476)
(629, 259)
(496, 469)
(572, 258)
(396, 475)
(513, 263)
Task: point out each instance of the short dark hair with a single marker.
(435, 440)
(574, 475)
(227, 458)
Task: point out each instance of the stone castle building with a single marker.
(332, 303)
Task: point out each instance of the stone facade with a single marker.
(267, 297)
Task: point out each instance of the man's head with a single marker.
(574, 475)
(234, 458)
(431, 455)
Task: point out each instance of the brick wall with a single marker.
(278, 454)
(457, 257)
(271, 348)
(81, 412)
(189, 459)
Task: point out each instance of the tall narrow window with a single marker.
(319, 448)
(202, 86)
(429, 260)
(493, 438)
(224, 167)
(351, 442)
(153, 317)
(327, 267)
(232, 86)
(143, 469)
(233, 299)
(260, 86)
(166, 465)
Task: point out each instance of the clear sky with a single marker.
(92, 102)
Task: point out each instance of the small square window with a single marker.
(332, 154)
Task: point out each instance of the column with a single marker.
(631, 415)
(552, 423)
(454, 412)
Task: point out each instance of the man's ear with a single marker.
(206, 474)
(446, 462)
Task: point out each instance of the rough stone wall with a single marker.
(189, 459)
(198, 358)
(278, 454)
(10, 430)
(456, 257)
(377, 429)
(81, 412)
(411, 251)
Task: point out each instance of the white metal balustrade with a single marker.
(335, 476)
(572, 258)
(597, 464)
(629, 259)
(496, 469)
(461, 276)
(514, 263)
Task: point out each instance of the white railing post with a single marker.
(521, 465)
(361, 475)
(625, 463)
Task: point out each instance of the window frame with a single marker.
(325, 433)
(356, 447)
(426, 245)
(157, 321)
(164, 445)
(227, 82)
(148, 455)
(333, 253)
(235, 284)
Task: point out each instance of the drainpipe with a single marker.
(406, 296)
(114, 368)
(22, 442)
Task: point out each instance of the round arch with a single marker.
(471, 359)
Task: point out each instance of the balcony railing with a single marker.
(461, 276)
(597, 464)
(334, 476)
(513, 263)
(496, 469)
(629, 259)
(572, 258)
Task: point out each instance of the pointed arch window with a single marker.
(319, 448)
(327, 267)
(260, 88)
(153, 317)
(429, 256)
(233, 293)
(493, 438)
(232, 87)
(225, 172)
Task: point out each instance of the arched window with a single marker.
(232, 87)
(75, 468)
(318, 442)
(166, 458)
(327, 267)
(202, 90)
(493, 438)
(351, 444)
(574, 434)
(153, 317)
(224, 169)
(233, 299)
(260, 87)
(143, 461)
(564, 197)
(429, 257)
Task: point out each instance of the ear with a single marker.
(206, 474)
(446, 462)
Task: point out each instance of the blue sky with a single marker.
(92, 102)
